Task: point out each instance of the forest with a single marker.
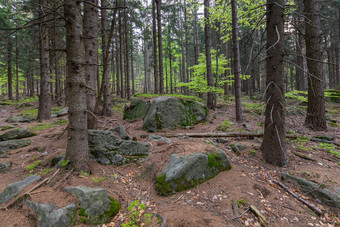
(169, 113)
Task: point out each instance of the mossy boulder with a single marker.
(325, 195)
(18, 133)
(12, 144)
(185, 172)
(48, 215)
(96, 207)
(107, 149)
(137, 109)
(171, 113)
(238, 148)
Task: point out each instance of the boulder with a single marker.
(57, 160)
(107, 149)
(222, 140)
(120, 130)
(137, 109)
(6, 127)
(22, 118)
(96, 207)
(5, 167)
(185, 172)
(237, 148)
(13, 144)
(48, 215)
(18, 133)
(14, 189)
(62, 112)
(159, 138)
(171, 113)
(325, 195)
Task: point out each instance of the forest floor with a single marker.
(210, 203)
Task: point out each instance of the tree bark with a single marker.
(315, 118)
(121, 55)
(107, 110)
(91, 58)
(16, 67)
(160, 47)
(77, 150)
(207, 34)
(273, 146)
(127, 74)
(236, 65)
(44, 111)
(9, 68)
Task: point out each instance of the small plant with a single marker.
(333, 124)
(242, 201)
(330, 148)
(86, 174)
(253, 152)
(136, 217)
(64, 162)
(34, 165)
(224, 126)
(98, 180)
(297, 95)
(46, 171)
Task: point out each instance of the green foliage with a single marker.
(297, 95)
(253, 108)
(253, 152)
(46, 171)
(64, 162)
(136, 218)
(31, 112)
(330, 148)
(241, 202)
(34, 165)
(86, 174)
(186, 97)
(333, 124)
(224, 126)
(98, 180)
(44, 126)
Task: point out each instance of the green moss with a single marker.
(82, 212)
(159, 124)
(30, 112)
(114, 209)
(333, 124)
(214, 159)
(162, 186)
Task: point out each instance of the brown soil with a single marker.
(209, 204)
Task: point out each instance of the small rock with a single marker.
(18, 133)
(159, 138)
(14, 189)
(25, 104)
(143, 136)
(237, 148)
(49, 216)
(221, 140)
(62, 112)
(96, 207)
(244, 125)
(5, 167)
(184, 137)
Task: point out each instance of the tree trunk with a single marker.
(9, 68)
(160, 47)
(16, 67)
(44, 111)
(91, 58)
(56, 41)
(107, 110)
(197, 39)
(132, 69)
(315, 118)
(154, 40)
(207, 34)
(117, 65)
(77, 150)
(236, 64)
(121, 55)
(273, 146)
(127, 76)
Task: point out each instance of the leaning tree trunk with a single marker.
(77, 150)
(236, 65)
(107, 110)
(274, 139)
(91, 58)
(44, 111)
(315, 118)
(207, 34)
(154, 40)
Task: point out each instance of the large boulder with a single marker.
(13, 144)
(22, 118)
(185, 172)
(137, 109)
(18, 133)
(171, 113)
(14, 189)
(107, 149)
(96, 207)
(48, 215)
(325, 195)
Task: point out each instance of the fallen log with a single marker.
(311, 206)
(324, 141)
(201, 134)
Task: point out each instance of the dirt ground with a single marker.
(210, 203)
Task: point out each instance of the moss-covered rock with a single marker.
(22, 118)
(96, 207)
(12, 144)
(185, 172)
(171, 113)
(137, 109)
(18, 133)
